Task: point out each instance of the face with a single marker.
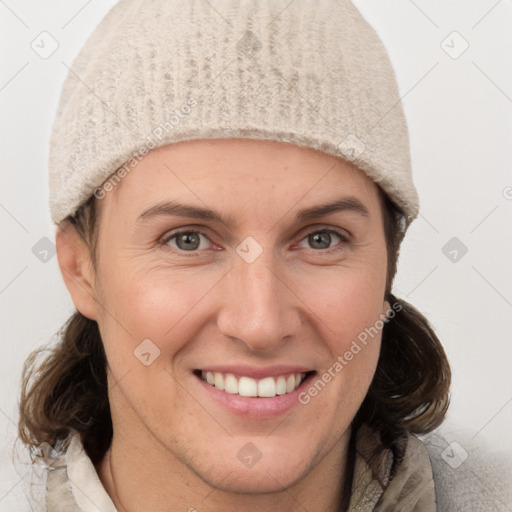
(269, 294)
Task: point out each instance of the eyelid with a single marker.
(344, 235)
(326, 227)
(169, 235)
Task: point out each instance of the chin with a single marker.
(240, 467)
(256, 480)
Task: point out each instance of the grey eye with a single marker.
(187, 240)
(323, 239)
(320, 240)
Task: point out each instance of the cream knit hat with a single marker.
(308, 72)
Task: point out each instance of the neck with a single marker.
(171, 486)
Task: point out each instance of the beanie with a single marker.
(308, 72)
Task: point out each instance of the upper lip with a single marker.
(256, 372)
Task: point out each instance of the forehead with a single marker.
(253, 174)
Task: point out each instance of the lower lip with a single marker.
(254, 407)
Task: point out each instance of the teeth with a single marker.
(290, 383)
(230, 384)
(218, 381)
(281, 386)
(246, 386)
(267, 387)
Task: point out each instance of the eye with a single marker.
(192, 240)
(186, 240)
(321, 239)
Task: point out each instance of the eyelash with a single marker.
(164, 242)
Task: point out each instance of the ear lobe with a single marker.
(76, 269)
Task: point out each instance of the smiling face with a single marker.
(259, 290)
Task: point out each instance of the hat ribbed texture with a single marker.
(308, 72)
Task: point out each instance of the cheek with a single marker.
(142, 304)
(145, 325)
(348, 308)
(345, 301)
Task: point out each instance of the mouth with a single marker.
(245, 386)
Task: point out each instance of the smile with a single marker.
(266, 387)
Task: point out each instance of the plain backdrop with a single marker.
(458, 106)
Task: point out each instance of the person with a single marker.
(230, 184)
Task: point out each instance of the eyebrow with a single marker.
(173, 208)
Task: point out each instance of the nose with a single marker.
(259, 308)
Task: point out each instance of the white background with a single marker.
(459, 113)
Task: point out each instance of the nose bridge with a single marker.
(257, 308)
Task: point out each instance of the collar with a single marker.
(411, 489)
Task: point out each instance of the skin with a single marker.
(295, 304)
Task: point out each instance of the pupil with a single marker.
(187, 238)
(318, 238)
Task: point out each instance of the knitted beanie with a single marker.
(308, 72)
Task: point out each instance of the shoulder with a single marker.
(468, 475)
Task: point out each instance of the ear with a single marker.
(76, 268)
(386, 307)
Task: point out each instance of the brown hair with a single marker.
(68, 389)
